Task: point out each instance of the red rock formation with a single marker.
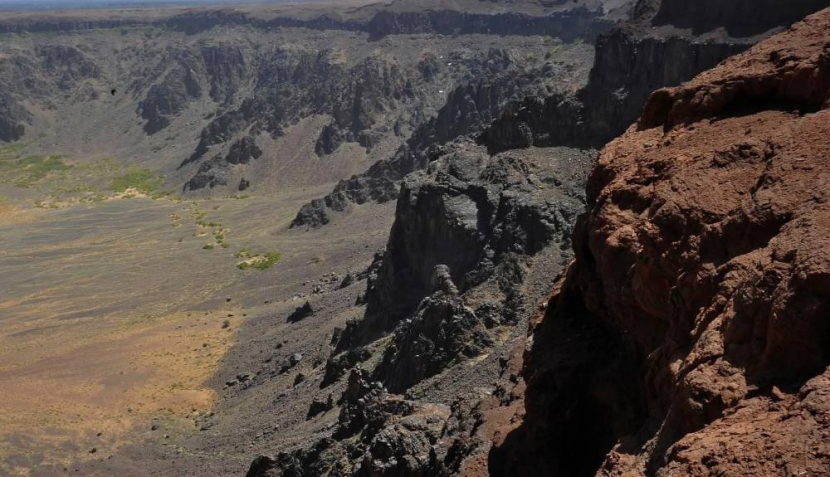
(692, 333)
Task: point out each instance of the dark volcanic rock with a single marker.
(472, 214)
(377, 434)
(301, 313)
(631, 64)
(468, 109)
(296, 83)
(67, 64)
(451, 280)
(338, 365)
(12, 117)
(243, 151)
(375, 86)
(227, 68)
(320, 406)
(570, 24)
(166, 99)
(330, 139)
(443, 331)
(212, 173)
(623, 77)
(738, 17)
(357, 190)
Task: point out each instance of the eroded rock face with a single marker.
(212, 173)
(476, 216)
(496, 80)
(12, 118)
(443, 331)
(45, 71)
(170, 96)
(473, 237)
(377, 434)
(628, 67)
(367, 101)
(243, 151)
(740, 17)
(701, 280)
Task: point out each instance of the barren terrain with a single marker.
(114, 313)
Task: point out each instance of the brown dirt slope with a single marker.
(691, 335)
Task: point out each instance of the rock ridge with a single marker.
(698, 273)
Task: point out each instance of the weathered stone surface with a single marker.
(377, 434)
(700, 283)
(169, 97)
(495, 81)
(243, 151)
(623, 77)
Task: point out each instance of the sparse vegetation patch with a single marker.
(258, 261)
(141, 180)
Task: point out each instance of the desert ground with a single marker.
(117, 314)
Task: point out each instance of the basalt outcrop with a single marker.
(468, 109)
(739, 18)
(690, 335)
(12, 119)
(249, 84)
(629, 65)
(477, 239)
(372, 99)
(474, 217)
(649, 51)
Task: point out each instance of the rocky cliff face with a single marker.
(690, 336)
(366, 101)
(262, 77)
(169, 97)
(643, 54)
(50, 70)
(564, 21)
(739, 18)
(12, 119)
(569, 25)
(660, 340)
(468, 109)
(630, 62)
(627, 68)
(475, 241)
(472, 215)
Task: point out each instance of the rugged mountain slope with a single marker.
(690, 335)
(476, 242)
(740, 18)
(368, 100)
(567, 19)
(228, 98)
(469, 108)
(628, 67)
(433, 314)
(644, 53)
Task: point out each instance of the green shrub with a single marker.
(142, 180)
(35, 168)
(259, 262)
(12, 148)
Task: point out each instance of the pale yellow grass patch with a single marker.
(60, 396)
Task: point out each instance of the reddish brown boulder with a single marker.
(692, 334)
